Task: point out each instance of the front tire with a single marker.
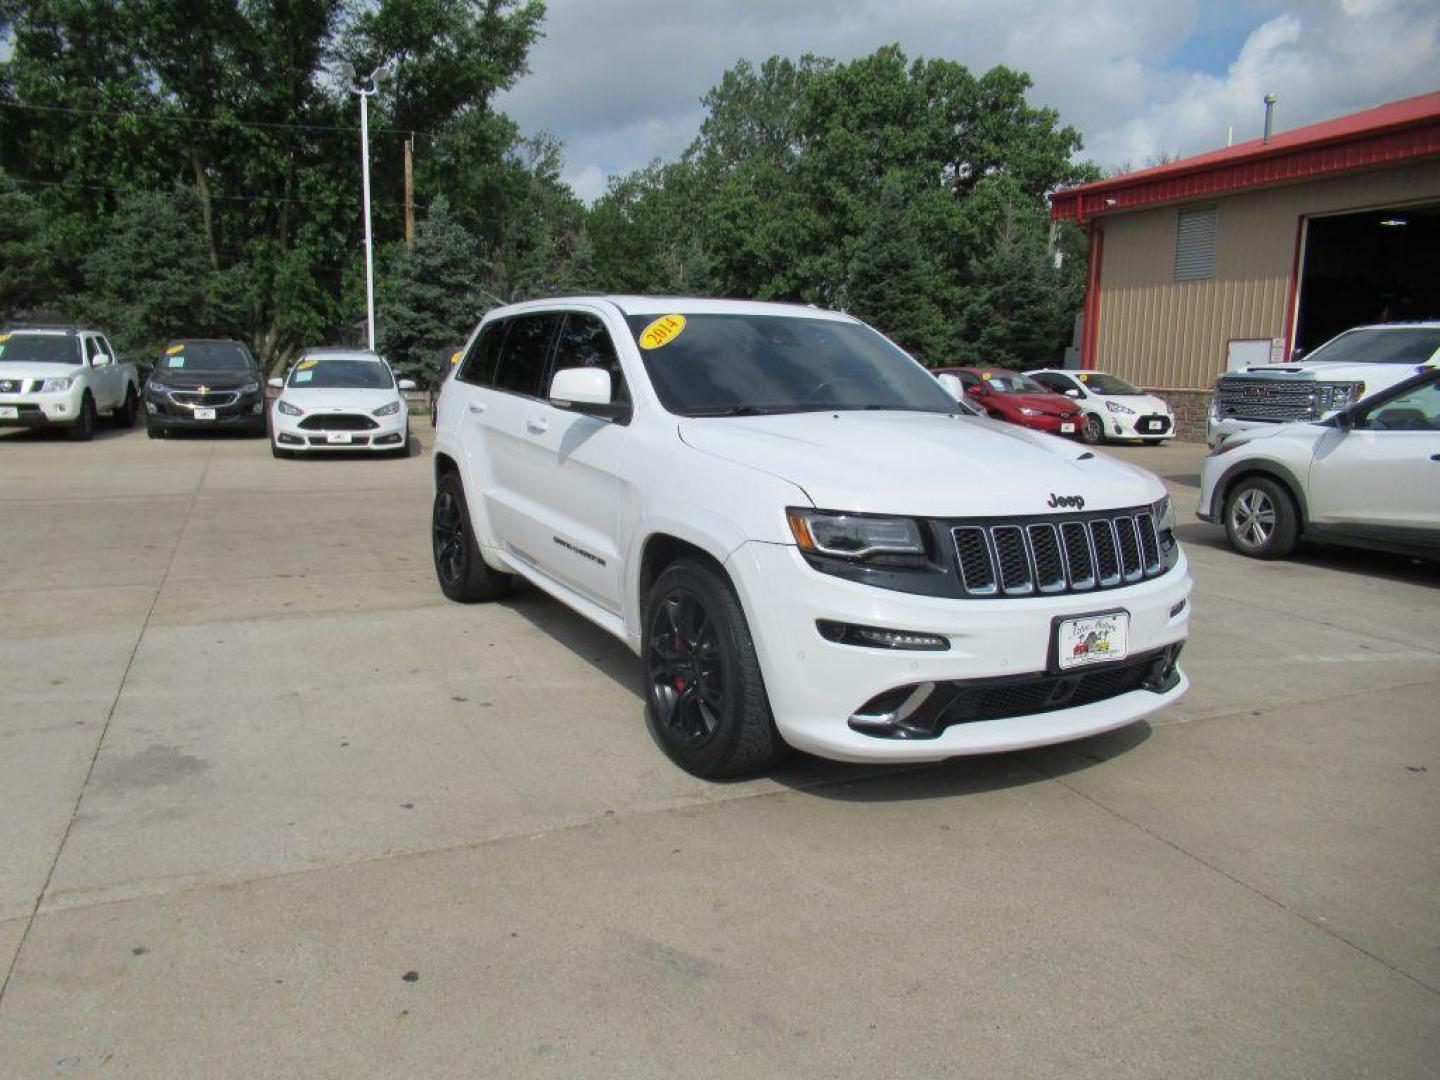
(126, 413)
(705, 701)
(154, 431)
(463, 575)
(1260, 518)
(83, 430)
(1092, 429)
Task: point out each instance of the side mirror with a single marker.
(277, 382)
(1072, 392)
(585, 390)
(977, 390)
(99, 360)
(406, 384)
(1296, 354)
(952, 385)
(1345, 420)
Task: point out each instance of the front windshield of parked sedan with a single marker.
(1012, 382)
(738, 364)
(1097, 382)
(1409, 345)
(39, 348)
(341, 374)
(206, 356)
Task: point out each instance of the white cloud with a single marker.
(621, 82)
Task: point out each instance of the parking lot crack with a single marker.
(1241, 882)
(105, 725)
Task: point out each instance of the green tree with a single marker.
(432, 296)
(27, 268)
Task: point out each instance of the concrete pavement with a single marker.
(256, 772)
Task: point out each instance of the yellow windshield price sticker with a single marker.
(306, 364)
(455, 357)
(662, 331)
(1083, 378)
(4, 337)
(173, 349)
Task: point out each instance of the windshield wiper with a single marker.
(741, 410)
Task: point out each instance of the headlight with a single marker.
(250, 388)
(1163, 512)
(1116, 407)
(288, 409)
(850, 536)
(387, 410)
(57, 386)
(1027, 411)
(157, 386)
(1340, 395)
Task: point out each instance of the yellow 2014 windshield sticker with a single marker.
(662, 331)
(173, 349)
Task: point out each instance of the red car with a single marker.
(1008, 395)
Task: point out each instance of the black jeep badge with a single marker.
(1066, 500)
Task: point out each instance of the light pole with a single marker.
(366, 88)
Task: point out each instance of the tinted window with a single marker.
(584, 342)
(478, 367)
(331, 374)
(39, 348)
(206, 356)
(527, 349)
(1058, 383)
(1011, 382)
(1108, 385)
(717, 365)
(1408, 346)
(93, 351)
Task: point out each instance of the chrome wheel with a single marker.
(1253, 517)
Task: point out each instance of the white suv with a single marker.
(1369, 476)
(1335, 376)
(801, 535)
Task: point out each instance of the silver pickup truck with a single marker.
(64, 376)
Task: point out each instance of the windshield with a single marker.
(39, 349)
(206, 356)
(1098, 382)
(1012, 382)
(341, 374)
(1412, 345)
(733, 364)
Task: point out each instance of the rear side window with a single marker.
(1058, 383)
(478, 367)
(584, 342)
(526, 354)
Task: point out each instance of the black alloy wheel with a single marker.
(705, 701)
(1092, 429)
(83, 430)
(459, 567)
(126, 413)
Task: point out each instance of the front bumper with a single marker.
(40, 410)
(387, 436)
(1139, 426)
(816, 686)
(1051, 425)
(245, 413)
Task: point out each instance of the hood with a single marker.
(15, 370)
(921, 464)
(1054, 404)
(190, 378)
(1323, 372)
(338, 399)
(1141, 403)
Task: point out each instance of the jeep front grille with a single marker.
(1058, 555)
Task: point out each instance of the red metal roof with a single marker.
(1390, 134)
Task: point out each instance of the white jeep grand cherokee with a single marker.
(801, 535)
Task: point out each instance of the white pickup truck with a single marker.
(806, 539)
(64, 376)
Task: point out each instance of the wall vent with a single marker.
(1195, 244)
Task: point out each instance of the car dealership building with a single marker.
(1245, 254)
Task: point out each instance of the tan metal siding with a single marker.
(1156, 331)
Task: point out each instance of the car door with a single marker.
(580, 504)
(104, 373)
(1382, 478)
(517, 469)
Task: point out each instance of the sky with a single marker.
(620, 81)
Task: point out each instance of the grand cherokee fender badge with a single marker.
(1066, 500)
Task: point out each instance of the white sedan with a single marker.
(1369, 476)
(340, 399)
(1112, 408)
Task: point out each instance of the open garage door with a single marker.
(1366, 267)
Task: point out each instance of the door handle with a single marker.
(475, 407)
(537, 425)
